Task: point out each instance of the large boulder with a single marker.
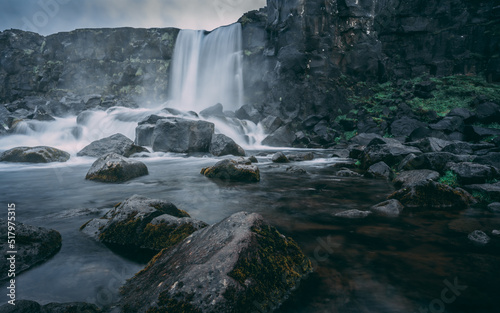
(226, 267)
(117, 143)
(114, 168)
(404, 126)
(213, 111)
(409, 178)
(488, 112)
(390, 153)
(182, 135)
(379, 170)
(449, 125)
(282, 137)
(430, 144)
(34, 155)
(432, 195)
(27, 306)
(279, 157)
(492, 159)
(472, 173)
(485, 192)
(230, 170)
(34, 245)
(223, 145)
(435, 161)
(143, 223)
(144, 135)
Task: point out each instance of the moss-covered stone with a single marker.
(230, 170)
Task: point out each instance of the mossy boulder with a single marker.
(114, 168)
(39, 154)
(143, 223)
(432, 195)
(226, 267)
(34, 245)
(231, 170)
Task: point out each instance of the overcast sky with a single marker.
(51, 16)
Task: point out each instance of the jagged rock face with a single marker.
(122, 61)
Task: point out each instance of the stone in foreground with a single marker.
(432, 195)
(114, 168)
(182, 135)
(230, 170)
(143, 223)
(39, 154)
(117, 143)
(34, 245)
(226, 267)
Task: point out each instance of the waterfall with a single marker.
(207, 69)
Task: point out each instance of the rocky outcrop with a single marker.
(230, 170)
(226, 267)
(116, 143)
(34, 155)
(114, 168)
(34, 245)
(143, 223)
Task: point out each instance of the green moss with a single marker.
(268, 271)
(449, 179)
(351, 134)
(157, 237)
(482, 197)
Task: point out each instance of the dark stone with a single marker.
(492, 159)
(409, 178)
(241, 259)
(34, 245)
(379, 170)
(299, 157)
(353, 214)
(295, 170)
(488, 112)
(230, 170)
(432, 195)
(364, 139)
(472, 173)
(389, 208)
(34, 155)
(465, 114)
(449, 125)
(282, 137)
(490, 192)
(345, 172)
(213, 111)
(494, 207)
(114, 168)
(311, 121)
(460, 148)
(405, 126)
(391, 154)
(223, 145)
(144, 135)
(182, 136)
(435, 161)
(479, 238)
(280, 157)
(249, 112)
(143, 223)
(42, 115)
(271, 124)
(152, 119)
(116, 143)
(477, 133)
(368, 125)
(430, 144)
(422, 132)
(340, 153)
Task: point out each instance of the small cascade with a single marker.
(207, 69)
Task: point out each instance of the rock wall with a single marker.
(118, 62)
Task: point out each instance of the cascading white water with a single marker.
(207, 69)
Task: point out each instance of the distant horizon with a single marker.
(47, 17)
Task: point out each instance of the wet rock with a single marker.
(230, 170)
(223, 145)
(430, 144)
(488, 192)
(144, 135)
(340, 153)
(449, 125)
(271, 124)
(34, 155)
(405, 126)
(472, 173)
(117, 143)
(353, 214)
(114, 168)
(143, 223)
(280, 157)
(152, 119)
(389, 208)
(213, 111)
(42, 115)
(282, 137)
(249, 112)
(409, 178)
(253, 159)
(479, 238)
(495, 232)
(494, 207)
(435, 161)
(433, 195)
(308, 156)
(34, 245)
(460, 148)
(182, 136)
(295, 170)
(364, 139)
(225, 267)
(379, 170)
(492, 159)
(345, 172)
(391, 153)
(424, 132)
(26, 306)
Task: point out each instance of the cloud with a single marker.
(51, 16)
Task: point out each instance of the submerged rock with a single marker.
(389, 208)
(295, 170)
(114, 168)
(26, 306)
(182, 135)
(225, 267)
(143, 223)
(280, 157)
(223, 145)
(479, 237)
(231, 170)
(353, 214)
(34, 155)
(433, 195)
(308, 156)
(34, 245)
(116, 143)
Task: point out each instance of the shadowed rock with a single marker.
(409, 178)
(225, 267)
(230, 170)
(114, 168)
(223, 145)
(34, 155)
(116, 143)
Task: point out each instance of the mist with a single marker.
(51, 16)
